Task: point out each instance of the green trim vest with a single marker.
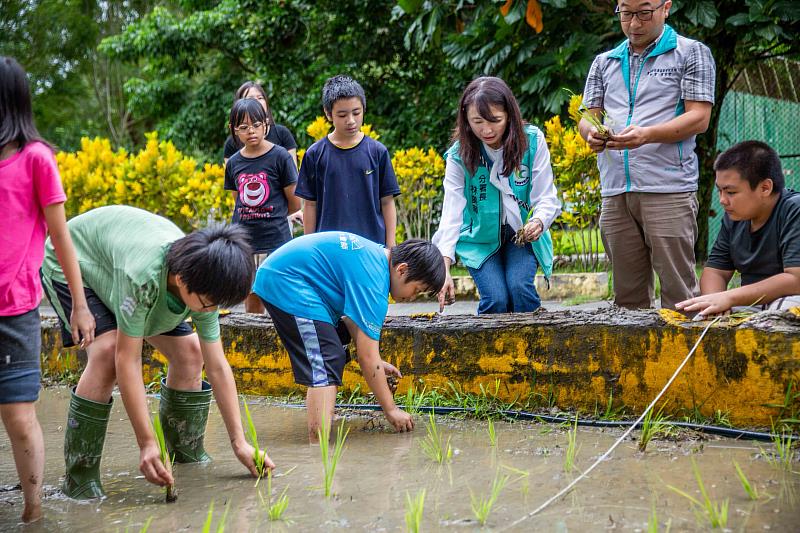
(482, 221)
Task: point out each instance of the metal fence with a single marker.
(764, 105)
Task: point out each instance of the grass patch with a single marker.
(654, 424)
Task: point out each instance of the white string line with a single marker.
(574, 482)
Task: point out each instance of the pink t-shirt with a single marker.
(29, 181)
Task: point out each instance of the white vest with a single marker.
(655, 98)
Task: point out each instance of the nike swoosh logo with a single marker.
(368, 172)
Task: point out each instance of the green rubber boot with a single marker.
(83, 446)
(183, 416)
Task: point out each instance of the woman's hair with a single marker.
(242, 109)
(246, 86)
(484, 92)
(16, 115)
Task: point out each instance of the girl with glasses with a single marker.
(262, 178)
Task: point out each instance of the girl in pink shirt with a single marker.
(31, 202)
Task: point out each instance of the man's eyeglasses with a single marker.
(244, 128)
(643, 15)
(204, 304)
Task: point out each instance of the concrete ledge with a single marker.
(593, 285)
(576, 358)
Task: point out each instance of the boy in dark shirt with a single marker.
(759, 237)
(346, 178)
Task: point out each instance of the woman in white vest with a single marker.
(499, 201)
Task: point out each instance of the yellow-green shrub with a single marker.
(158, 178)
(419, 174)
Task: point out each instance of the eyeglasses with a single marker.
(244, 128)
(643, 15)
(204, 304)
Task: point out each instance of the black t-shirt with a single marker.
(348, 184)
(277, 134)
(765, 252)
(261, 206)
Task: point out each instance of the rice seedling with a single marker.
(715, 513)
(171, 491)
(258, 457)
(782, 457)
(482, 506)
(274, 510)
(523, 478)
(751, 490)
(414, 508)
(572, 447)
(146, 525)
(210, 516)
(433, 446)
(652, 520)
(492, 434)
(601, 123)
(611, 413)
(653, 425)
(414, 399)
(330, 460)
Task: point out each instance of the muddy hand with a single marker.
(401, 420)
(151, 466)
(447, 296)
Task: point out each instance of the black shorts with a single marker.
(61, 299)
(318, 351)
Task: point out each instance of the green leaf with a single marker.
(410, 6)
(702, 12)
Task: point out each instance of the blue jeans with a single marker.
(505, 281)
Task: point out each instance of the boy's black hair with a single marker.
(424, 260)
(340, 87)
(215, 262)
(247, 107)
(16, 115)
(755, 161)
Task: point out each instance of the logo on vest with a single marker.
(522, 177)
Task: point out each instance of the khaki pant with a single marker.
(643, 232)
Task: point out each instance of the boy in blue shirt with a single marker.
(346, 178)
(320, 287)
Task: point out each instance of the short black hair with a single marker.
(424, 260)
(755, 161)
(215, 262)
(16, 110)
(341, 87)
(244, 108)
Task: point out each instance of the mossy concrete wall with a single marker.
(570, 359)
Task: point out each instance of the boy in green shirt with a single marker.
(143, 278)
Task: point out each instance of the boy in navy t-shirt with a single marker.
(346, 178)
(318, 288)
(759, 237)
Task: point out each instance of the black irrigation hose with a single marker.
(731, 433)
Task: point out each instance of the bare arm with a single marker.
(389, 212)
(293, 153)
(292, 200)
(714, 280)
(765, 291)
(82, 321)
(221, 378)
(128, 360)
(372, 368)
(693, 121)
(309, 217)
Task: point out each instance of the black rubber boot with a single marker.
(183, 416)
(83, 446)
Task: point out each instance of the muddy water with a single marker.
(378, 468)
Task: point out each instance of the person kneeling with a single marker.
(759, 236)
(142, 279)
(320, 287)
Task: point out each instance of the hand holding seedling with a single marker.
(246, 455)
(401, 420)
(151, 467)
(81, 323)
(631, 137)
(532, 230)
(597, 140)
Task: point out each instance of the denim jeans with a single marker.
(505, 281)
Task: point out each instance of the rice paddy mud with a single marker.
(380, 476)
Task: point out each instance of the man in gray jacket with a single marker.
(654, 93)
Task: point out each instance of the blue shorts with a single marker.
(317, 350)
(20, 350)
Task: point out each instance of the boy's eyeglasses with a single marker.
(244, 128)
(204, 304)
(643, 15)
